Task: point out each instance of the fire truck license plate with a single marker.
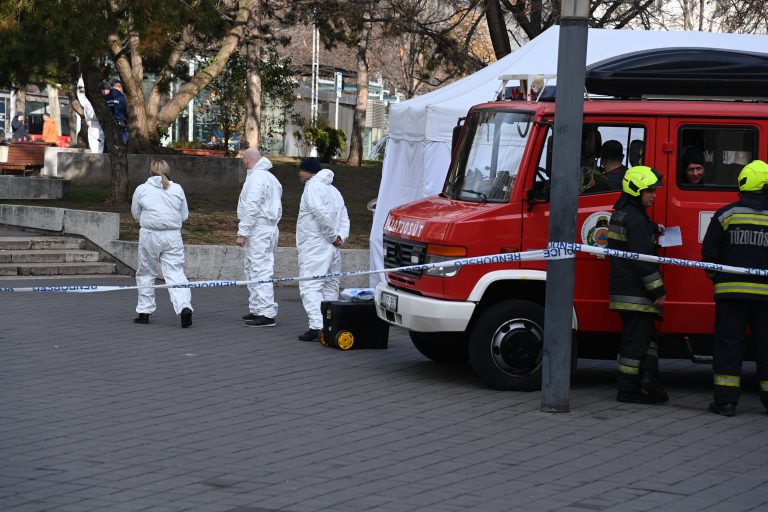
(389, 302)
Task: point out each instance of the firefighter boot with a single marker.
(764, 399)
(650, 386)
(629, 390)
(728, 409)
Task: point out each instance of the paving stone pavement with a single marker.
(100, 414)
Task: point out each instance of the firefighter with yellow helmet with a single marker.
(636, 288)
(738, 236)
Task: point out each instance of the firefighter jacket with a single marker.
(635, 284)
(738, 236)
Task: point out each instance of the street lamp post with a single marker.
(315, 73)
(569, 108)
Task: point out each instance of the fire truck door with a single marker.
(725, 147)
(598, 194)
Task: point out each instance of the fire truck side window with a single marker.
(711, 157)
(606, 152)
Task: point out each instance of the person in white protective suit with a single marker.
(95, 133)
(160, 206)
(322, 228)
(259, 210)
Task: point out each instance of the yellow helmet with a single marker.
(754, 176)
(639, 178)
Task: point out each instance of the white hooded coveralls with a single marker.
(322, 217)
(95, 133)
(259, 210)
(160, 213)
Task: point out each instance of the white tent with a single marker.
(419, 145)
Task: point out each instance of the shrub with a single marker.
(329, 142)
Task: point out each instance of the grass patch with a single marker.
(92, 195)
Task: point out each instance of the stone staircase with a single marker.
(49, 256)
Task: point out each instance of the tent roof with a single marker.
(430, 117)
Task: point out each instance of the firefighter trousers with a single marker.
(731, 320)
(639, 351)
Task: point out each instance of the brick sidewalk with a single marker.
(100, 414)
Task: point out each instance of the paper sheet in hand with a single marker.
(671, 237)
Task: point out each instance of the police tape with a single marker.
(554, 251)
(475, 260)
(663, 260)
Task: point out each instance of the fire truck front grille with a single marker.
(402, 253)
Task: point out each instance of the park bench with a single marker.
(24, 158)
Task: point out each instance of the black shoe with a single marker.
(723, 409)
(143, 318)
(310, 335)
(650, 385)
(261, 321)
(633, 398)
(250, 316)
(186, 317)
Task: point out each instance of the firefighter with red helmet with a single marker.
(636, 288)
(738, 236)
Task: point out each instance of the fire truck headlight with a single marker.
(439, 253)
(448, 271)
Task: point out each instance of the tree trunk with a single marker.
(113, 134)
(361, 104)
(253, 83)
(21, 101)
(497, 29)
(142, 137)
(54, 109)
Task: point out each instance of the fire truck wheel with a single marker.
(441, 347)
(506, 345)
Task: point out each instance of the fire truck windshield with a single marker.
(488, 156)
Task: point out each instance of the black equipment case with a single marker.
(351, 325)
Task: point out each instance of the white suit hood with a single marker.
(260, 199)
(157, 208)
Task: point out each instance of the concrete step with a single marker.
(56, 269)
(20, 243)
(48, 256)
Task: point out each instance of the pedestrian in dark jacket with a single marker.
(738, 236)
(115, 99)
(636, 289)
(19, 129)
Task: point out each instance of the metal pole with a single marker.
(191, 124)
(338, 86)
(315, 73)
(336, 116)
(564, 195)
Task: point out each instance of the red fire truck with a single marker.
(496, 200)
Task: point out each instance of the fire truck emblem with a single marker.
(594, 231)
